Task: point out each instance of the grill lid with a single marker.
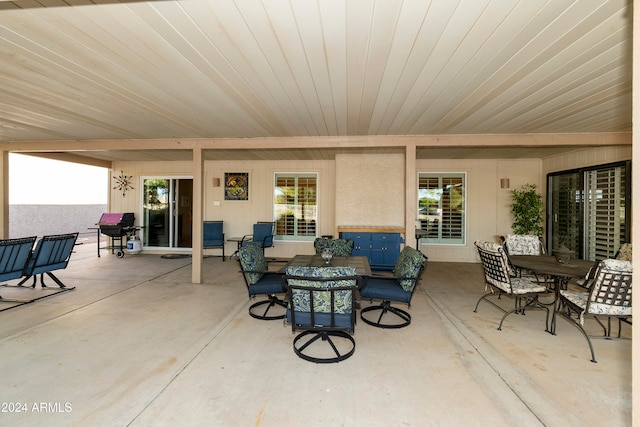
(122, 219)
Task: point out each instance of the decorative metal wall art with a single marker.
(123, 183)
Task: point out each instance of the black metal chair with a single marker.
(500, 280)
(397, 288)
(322, 305)
(260, 281)
(213, 235)
(609, 296)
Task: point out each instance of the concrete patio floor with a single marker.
(137, 344)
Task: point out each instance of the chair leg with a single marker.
(485, 298)
(519, 307)
(272, 301)
(384, 308)
(567, 316)
(54, 278)
(324, 336)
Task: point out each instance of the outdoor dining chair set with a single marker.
(604, 292)
(20, 260)
(213, 236)
(321, 302)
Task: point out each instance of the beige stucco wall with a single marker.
(238, 216)
(366, 189)
(370, 189)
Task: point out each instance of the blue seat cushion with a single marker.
(386, 289)
(269, 283)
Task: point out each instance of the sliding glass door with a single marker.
(167, 212)
(588, 210)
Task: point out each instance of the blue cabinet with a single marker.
(381, 248)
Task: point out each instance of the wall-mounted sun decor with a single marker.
(123, 183)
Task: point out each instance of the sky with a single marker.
(38, 181)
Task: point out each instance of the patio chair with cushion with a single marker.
(397, 288)
(260, 281)
(213, 235)
(609, 296)
(338, 247)
(524, 244)
(500, 280)
(322, 305)
(623, 254)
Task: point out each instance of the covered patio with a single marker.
(136, 343)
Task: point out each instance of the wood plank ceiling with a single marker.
(105, 70)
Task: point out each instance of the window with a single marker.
(295, 206)
(441, 207)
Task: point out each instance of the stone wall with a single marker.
(40, 220)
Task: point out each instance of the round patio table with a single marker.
(547, 265)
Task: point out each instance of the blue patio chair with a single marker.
(260, 281)
(262, 236)
(50, 254)
(14, 257)
(322, 305)
(213, 235)
(397, 288)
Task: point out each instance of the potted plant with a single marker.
(527, 209)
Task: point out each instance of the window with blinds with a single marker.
(295, 206)
(441, 207)
(604, 212)
(589, 210)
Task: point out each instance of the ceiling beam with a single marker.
(73, 158)
(485, 140)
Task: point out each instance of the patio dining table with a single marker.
(361, 263)
(547, 265)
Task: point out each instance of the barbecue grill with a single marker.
(117, 226)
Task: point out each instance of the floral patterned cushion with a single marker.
(301, 300)
(252, 262)
(408, 267)
(522, 244)
(610, 293)
(580, 299)
(338, 247)
(520, 285)
(624, 253)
